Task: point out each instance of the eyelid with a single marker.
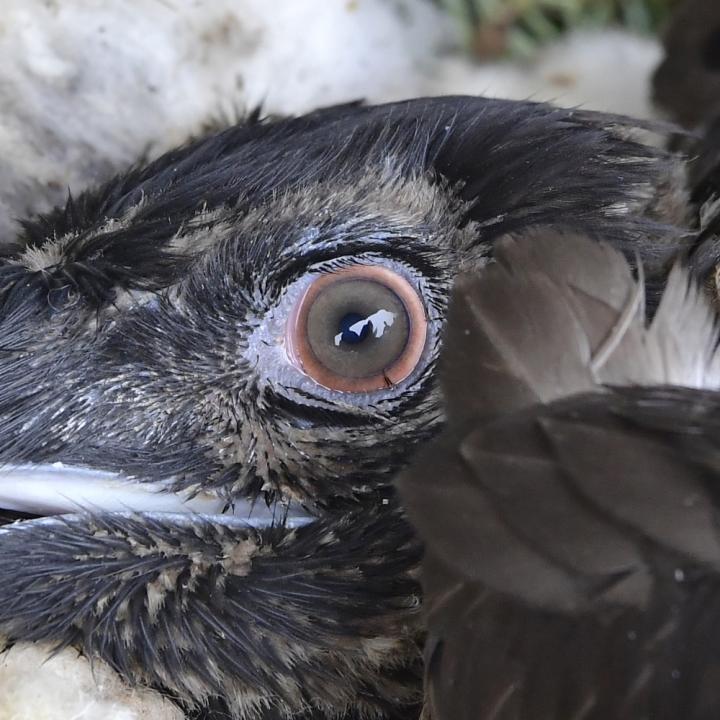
(302, 356)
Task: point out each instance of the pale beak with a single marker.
(55, 489)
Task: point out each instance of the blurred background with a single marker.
(89, 86)
(518, 27)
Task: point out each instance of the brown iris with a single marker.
(358, 329)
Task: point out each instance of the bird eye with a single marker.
(358, 329)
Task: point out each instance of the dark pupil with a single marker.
(350, 334)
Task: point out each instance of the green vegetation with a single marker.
(518, 27)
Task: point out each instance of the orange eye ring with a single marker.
(405, 348)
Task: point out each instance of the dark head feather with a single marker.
(136, 337)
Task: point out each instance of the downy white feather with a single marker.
(574, 320)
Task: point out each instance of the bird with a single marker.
(213, 366)
(572, 563)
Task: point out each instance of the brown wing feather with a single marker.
(572, 568)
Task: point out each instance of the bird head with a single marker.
(212, 367)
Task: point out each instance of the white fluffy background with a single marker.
(65, 687)
(87, 86)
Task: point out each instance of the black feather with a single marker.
(182, 606)
(515, 164)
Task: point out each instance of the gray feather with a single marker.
(572, 318)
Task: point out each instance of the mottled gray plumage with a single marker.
(570, 514)
(141, 336)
